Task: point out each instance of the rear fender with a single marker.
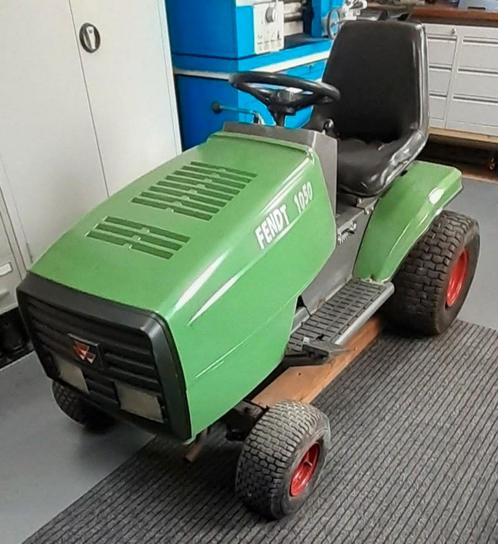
(403, 215)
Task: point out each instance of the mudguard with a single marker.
(403, 215)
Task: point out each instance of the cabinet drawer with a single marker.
(476, 112)
(479, 55)
(436, 123)
(9, 280)
(437, 106)
(439, 80)
(476, 85)
(441, 51)
(487, 130)
(444, 31)
(478, 33)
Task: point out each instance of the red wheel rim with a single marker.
(305, 470)
(458, 275)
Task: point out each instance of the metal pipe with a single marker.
(294, 17)
(220, 108)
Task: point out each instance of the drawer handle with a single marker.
(5, 269)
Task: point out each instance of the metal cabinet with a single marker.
(52, 172)
(11, 264)
(130, 86)
(463, 77)
(77, 125)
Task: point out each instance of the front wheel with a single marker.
(282, 458)
(75, 407)
(434, 280)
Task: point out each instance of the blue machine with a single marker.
(486, 5)
(211, 40)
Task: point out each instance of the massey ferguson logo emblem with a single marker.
(84, 351)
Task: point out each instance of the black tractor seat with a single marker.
(381, 122)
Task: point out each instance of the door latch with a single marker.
(89, 37)
(347, 231)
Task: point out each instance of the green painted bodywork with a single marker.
(219, 267)
(403, 215)
(228, 302)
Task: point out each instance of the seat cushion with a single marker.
(364, 168)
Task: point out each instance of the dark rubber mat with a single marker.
(414, 459)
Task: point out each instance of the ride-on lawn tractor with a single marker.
(178, 299)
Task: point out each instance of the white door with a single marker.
(130, 85)
(52, 169)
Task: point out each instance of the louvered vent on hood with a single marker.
(199, 190)
(139, 237)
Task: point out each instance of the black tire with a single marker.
(274, 451)
(75, 407)
(422, 301)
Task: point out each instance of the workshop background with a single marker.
(96, 93)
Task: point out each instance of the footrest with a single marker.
(342, 315)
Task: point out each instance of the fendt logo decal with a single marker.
(275, 222)
(278, 219)
(85, 352)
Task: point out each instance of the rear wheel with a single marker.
(434, 280)
(282, 458)
(75, 407)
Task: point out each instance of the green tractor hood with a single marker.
(219, 242)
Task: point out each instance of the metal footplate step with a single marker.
(328, 329)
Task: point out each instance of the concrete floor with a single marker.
(47, 461)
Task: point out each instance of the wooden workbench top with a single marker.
(441, 12)
(448, 14)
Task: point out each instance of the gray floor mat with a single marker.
(414, 459)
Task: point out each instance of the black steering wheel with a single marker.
(293, 95)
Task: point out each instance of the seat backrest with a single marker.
(380, 68)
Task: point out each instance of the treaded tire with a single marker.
(273, 452)
(422, 284)
(75, 407)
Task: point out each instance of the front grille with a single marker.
(132, 370)
(126, 355)
(101, 389)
